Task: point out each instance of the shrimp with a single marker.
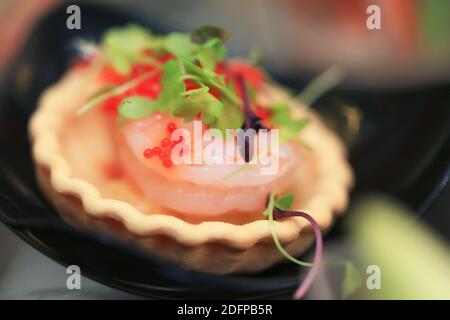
(197, 189)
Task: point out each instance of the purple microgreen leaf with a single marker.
(304, 286)
(272, 214)
(251, 121)
(275, 213)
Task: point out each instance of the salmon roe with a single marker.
(164, 150)
(149, 87)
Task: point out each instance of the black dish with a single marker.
(402, 149)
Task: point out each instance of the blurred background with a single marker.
(293, 37)
(413, 45)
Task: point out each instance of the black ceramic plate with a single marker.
(401, 148)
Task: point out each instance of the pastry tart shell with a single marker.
(211, 246)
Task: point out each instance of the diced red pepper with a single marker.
(252, 75)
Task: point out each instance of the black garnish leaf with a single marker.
(205, 33)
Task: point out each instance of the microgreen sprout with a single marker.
(278, 209)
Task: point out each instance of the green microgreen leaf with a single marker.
(173, 87)
(205, 33)
(123, 46)
(119, 61)
(290, 130)
(212, 80)
(131, 38)
(279, 107)
(270, 205)
(195, 91)
(211, 52)
(285, 202)
(209, 107)
(232, 118)
(237, 172)
(101, 91)
(136, 107)
(282, 118)
(321, 84)
(268, 212)
(180, 45)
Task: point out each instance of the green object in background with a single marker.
(352, 280)
(414, 261)
(434, 18)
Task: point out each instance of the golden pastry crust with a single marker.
(211, 246)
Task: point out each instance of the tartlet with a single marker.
(78, 171)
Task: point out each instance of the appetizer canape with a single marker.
(140, 138)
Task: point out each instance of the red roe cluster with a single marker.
(164, 150)
(149, 87)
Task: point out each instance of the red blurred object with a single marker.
(17, 17)
(400, 21)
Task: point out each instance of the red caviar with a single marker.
(164, 151)
(165, 142)
(171, 127)
(148, 153)
(156, 151)
(167, 163)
